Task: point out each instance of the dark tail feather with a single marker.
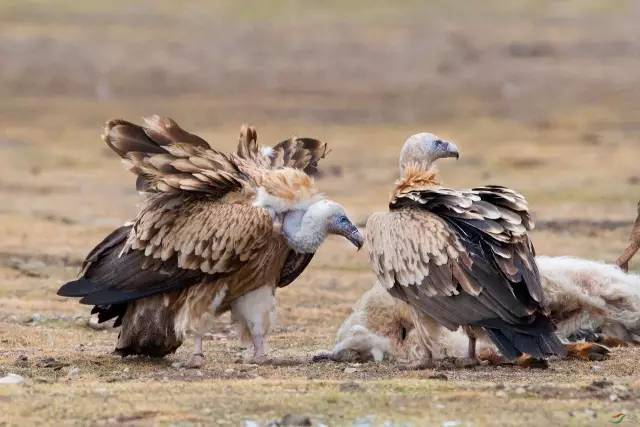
(148, 329)
(108, 312)
(77, 288)
(84, 286)
(512, 343)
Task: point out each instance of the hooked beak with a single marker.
(353, 235)
(452, 150)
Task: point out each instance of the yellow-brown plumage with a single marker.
(461, 257)
(205, 238)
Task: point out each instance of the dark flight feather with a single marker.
(293, 267)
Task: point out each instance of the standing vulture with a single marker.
(461, 257)
(215, 232)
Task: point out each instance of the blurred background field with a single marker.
(540, 95)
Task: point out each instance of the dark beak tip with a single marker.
(357, 240)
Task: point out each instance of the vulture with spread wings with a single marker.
(461, 257)
(215, 232)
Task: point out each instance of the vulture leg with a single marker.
(428, 333)
(197, 357)
(254, 313)
(259, 347)
(472, 347)
(473, 337)
(472, 356)
(491, 357)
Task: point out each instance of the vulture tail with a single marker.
(142, 300)
(538, 340)
(148, 329)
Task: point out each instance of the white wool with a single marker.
(266, 151)
(593, 285)
(364, 342)
(605, 296)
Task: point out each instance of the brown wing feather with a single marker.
(414, 248)
(494, 217)
(294, 265)
(299, 153)
(446, 242)
(176, 241)
(210, 236)
(166, 158)
(248, 148)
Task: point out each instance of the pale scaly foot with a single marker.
(196, 361)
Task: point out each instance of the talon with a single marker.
(490, 356)
(466, 362)
(196, 361)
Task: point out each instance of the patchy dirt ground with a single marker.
(540, 96)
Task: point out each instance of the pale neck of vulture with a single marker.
(306, 217)
(305, 230)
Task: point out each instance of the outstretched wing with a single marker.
(167, 158)
(176, 242)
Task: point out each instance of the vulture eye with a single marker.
(343, 219)
(439, 143)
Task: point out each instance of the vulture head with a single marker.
(422, 149)
(305, 230)
(338, 223)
